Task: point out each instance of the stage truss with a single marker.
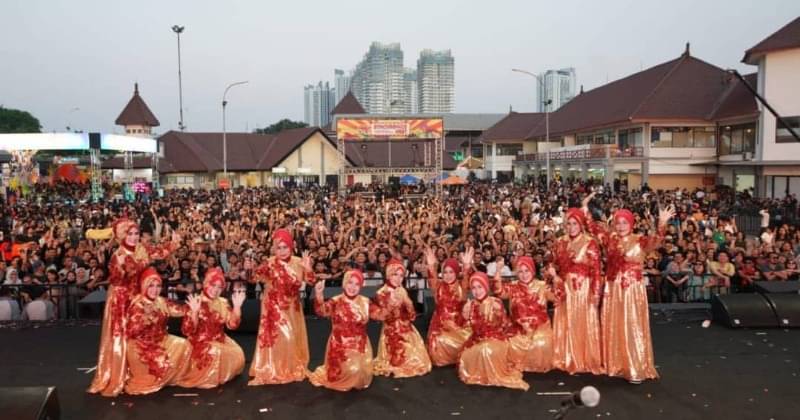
(432, 152)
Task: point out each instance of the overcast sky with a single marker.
(59, 55)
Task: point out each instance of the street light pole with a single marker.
(546, 120)
(224, 133)
(178, 30)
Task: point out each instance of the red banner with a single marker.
(389, 129)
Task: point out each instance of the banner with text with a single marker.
(389, 129)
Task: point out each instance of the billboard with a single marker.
(389, 129)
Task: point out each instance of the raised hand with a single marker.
(466, 258)
(665, 214)
(307, 262)
(585, 202)
(194, 303)
(430, 258)
(238, 298)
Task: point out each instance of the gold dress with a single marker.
(155, 358)
(124, 268)
(531, 333)
(401, 351)
(281, 354)
(448, 331)
(348, 354)
(576, 320)
(485, 359)
(625, 320)
(216, 358)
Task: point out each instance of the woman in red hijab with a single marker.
(401, 351)
(216, 358)
(578, 287)
(532, 335)
(124, 268)
(155, 358)
(625, 321)
(281, 354)
(485, 359)
(348, 355)
(448, 332)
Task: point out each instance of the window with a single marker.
(584, 139)
(682, 137)
(737, 139)
(629, 138)
(477, 151)
(782, 134)
(509, 149)
(604, 137)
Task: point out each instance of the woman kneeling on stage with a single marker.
(155, 358)
(485, 359)
(348, 355)
(216, 358)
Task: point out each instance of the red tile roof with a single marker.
(737, 101)
(785, 38)
(348, 105)
(137, 112)
(515, 126)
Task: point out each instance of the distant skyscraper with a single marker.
(559, 88)
(341, 83)
(410, 91)
(318, 103)
(435, 71)
(378, 80)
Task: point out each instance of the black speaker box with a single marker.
(778, 286)
(743, 310)
(29, 403)
(786, 307)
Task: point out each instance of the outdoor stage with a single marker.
(711, 372)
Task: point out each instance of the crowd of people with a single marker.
(50, 261)
(593, 254)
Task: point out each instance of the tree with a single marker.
(16, 121)
(284, 124)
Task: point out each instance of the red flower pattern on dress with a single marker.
(348, 333)
(528, 309)
(281, 296)
(588, 267)
(396, 324)
(485, 326)
(449, 303)
(210, 328)
(148, 327)
(621, 262)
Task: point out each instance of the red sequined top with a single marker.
(450, 299)
(282, 294)
(147, 327)
(625, 255)
(212, 319)
(396, 320)
(528, 303)
(578, 259)
(488, 320)
(349, 317)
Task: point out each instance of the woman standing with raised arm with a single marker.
(531, 333)
(578, 286)
(401, 351)
(625, 321)
(447, 332)
(125, 266)
(216, 358)
(281, 354)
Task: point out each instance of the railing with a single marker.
(594, 152)
(69, 303)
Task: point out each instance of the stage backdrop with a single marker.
(389, 129)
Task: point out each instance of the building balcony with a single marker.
(585, 152)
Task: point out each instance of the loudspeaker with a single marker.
(786, 307)
(29, 403)
(743, 310)
(94, 140)
(778, 286)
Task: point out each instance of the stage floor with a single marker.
(705, 373)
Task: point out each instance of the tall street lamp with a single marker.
(546, 119)
(178, 31)
(224, 134)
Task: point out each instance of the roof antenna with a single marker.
(687, 53)
(581, 90)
